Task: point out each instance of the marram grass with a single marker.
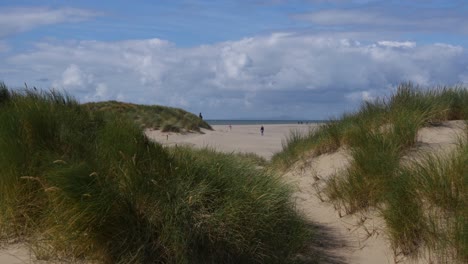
(167, 119)
(423, 203)
(410, 104)
(77, 186)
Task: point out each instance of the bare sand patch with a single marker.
(15, 254)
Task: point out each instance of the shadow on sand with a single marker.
(324, 247)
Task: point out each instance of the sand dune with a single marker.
(345, 239)
(342, 240)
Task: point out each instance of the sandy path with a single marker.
(351, 243)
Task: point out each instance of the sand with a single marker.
(15, 254)
(241, 138)
(341, 239)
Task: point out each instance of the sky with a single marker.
(256, 59)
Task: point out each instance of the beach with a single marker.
(239, 138)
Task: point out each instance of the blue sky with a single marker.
(308, 59)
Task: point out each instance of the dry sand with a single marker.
(15, 254)
(341, 239)
(241, 138)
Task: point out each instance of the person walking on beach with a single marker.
(200, 115)
(262, 129)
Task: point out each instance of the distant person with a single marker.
(200, 115)
(262, 129)
(230, 127)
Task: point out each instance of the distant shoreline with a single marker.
(261, 122)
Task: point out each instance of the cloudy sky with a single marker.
(305, 59)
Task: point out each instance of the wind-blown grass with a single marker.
(409, 105)
(78, 185)
(441, 185)
(423, 203)
(152, 116)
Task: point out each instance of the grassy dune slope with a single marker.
(409, 106)
(152, 116)
(78, 186)
(423, 201)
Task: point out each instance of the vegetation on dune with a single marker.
(79, 182)
(84, 185)
(423, 202)
(167, 119)
(410, 104)
(427, 207)
(252, 158)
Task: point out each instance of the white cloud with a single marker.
(275, 74)
(72, 76)
(74, 79)
(397, 44)
(233, 63)
(15, 20)
(361, 96)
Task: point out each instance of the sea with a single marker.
(261, 122)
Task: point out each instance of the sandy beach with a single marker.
(241, 138)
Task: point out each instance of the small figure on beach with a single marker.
(200, 115)
(230, 127)
(262, 129)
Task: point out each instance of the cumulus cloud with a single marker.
(305, 76)
(74, 78)
(15, 20)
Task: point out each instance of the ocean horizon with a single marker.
(260, 122)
